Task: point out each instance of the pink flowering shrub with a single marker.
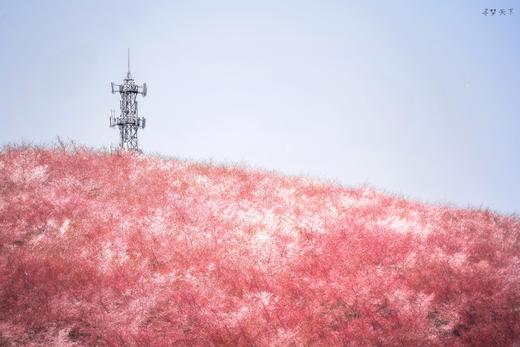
(121, 249)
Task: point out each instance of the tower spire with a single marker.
(128, 75)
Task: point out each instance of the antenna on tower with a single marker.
(129, 121)
(128, 75)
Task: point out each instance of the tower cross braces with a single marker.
(128, 121)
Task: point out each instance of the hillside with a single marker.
(121, 249)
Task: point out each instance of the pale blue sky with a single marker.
(419, 98)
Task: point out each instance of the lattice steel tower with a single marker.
(129, 121)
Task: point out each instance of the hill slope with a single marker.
(121, 249)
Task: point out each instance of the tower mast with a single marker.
(128, 121)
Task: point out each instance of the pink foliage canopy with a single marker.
(122, 249)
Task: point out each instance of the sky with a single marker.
(416, 98)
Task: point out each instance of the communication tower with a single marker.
(128, 121)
